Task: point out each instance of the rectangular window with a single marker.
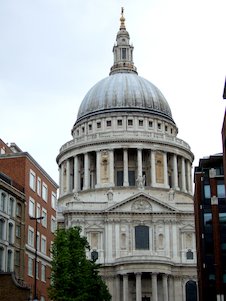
(120, 178)
(207, 194)
(17, 258)
(142, 237)
(31, 236)
(53, 200)
(53, 224)
(150, 124)
(44, 215)
(38, 241)
(31, 207)
(220, 190)
(39, 185)
(43, 244)
(98, 124)
(166, 128)
(43, 272)
(30, 266)
(123, 53)
(44, 192)
(38, 212)
(32, 179)
(37, 265)
(18, 231)
(159, 126)
(18, 209)
(131, 178)
(90, 127)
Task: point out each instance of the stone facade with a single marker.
(125, 179)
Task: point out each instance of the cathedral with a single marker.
(126, 180)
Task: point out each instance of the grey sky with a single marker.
(53, 51)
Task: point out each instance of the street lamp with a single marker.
(36, 251)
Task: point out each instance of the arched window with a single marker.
(1, 259)
(2, 229)
(11, 206)
(10, 233)
(142, 237)
(191, 291)
(9, 261)
(3, 202)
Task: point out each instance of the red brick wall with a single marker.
(10, 290)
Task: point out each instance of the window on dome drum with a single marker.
(119, 122)
(166, 128)
(171, 131)
(142, 238)
(83, 129)
(150, 123)
(132, 178)
(130, 121)
(141, 122)
(98, 124)
(120, 178)
(108, 122)
(123, 53)
(90, 127)
(159, 126)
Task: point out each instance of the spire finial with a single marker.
(122, 19)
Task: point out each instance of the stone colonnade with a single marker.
(147, 286)
(148, 168)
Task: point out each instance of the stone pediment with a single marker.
(142, 203)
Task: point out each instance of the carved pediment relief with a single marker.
(141, 202)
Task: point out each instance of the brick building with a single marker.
(40, 201)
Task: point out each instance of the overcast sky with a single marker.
(53, 51)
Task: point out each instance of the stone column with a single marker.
(153, 172)
(60, 169)
(154, 287)
(86, 172)
(76, 186)
(117, 288)
(138, 287)
(98, 168)
(165, 287)
(188, 165)
(125, 168)
(68, 176)
(139, 163)
(111, 167)
(171, 289)
(183, 178)
(175, 173)
(125, 288)
(178, 289)
(165, 168)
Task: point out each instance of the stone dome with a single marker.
(127, 92)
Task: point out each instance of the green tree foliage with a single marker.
(74, 277)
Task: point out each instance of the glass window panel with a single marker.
(221, 191)
(207, 194)
(142, 237)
